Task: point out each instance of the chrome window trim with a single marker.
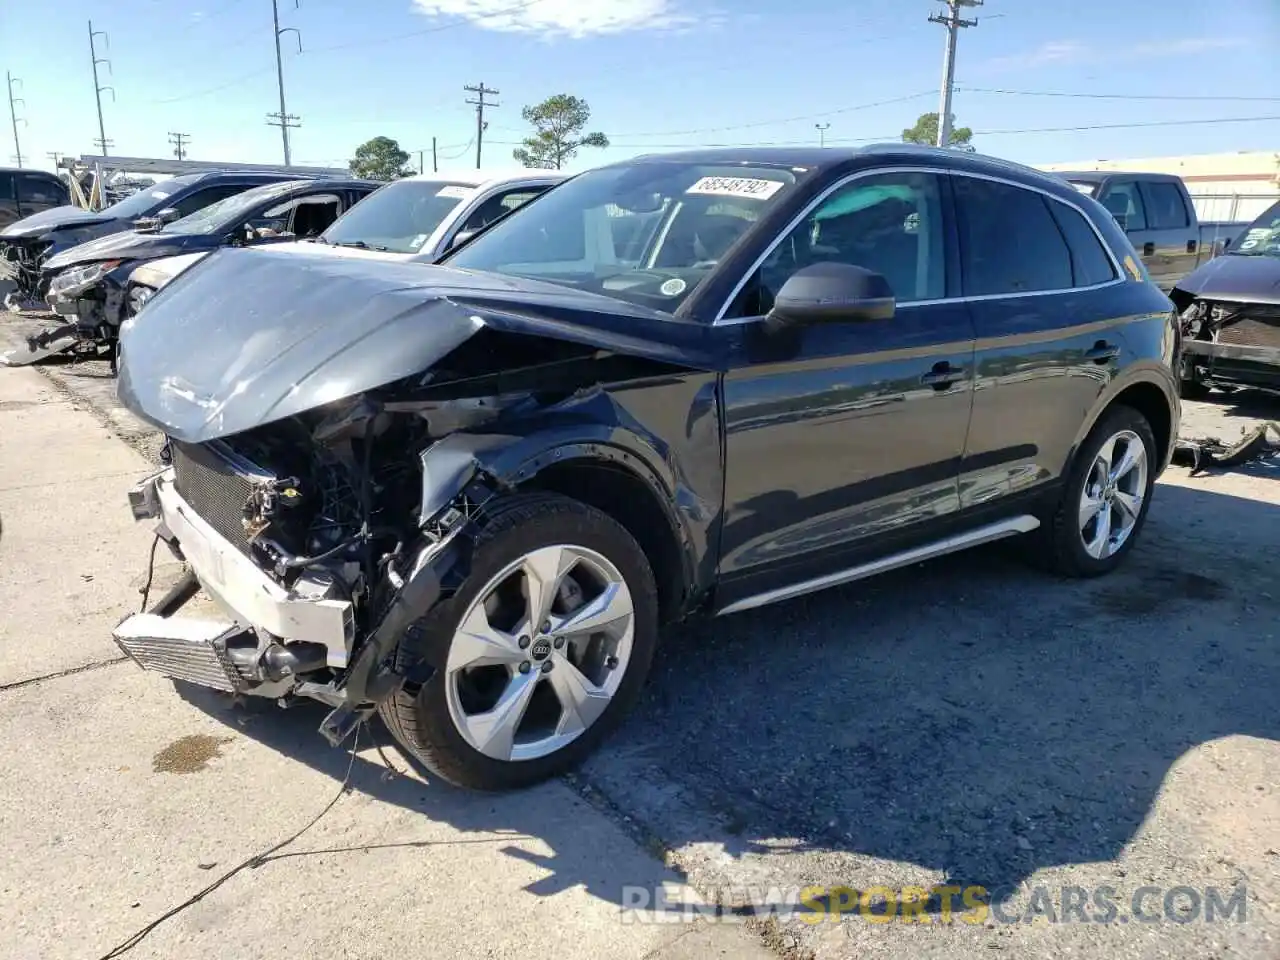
(1117, 267)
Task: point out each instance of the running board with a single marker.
(961, 541)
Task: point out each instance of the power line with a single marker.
(954, 24)
(102, 140)
(892, 138)
(179, 144)
(208, 90)
(481, 91)
(1114, 96)
(14, 118)
(782, 120)
(284, 118)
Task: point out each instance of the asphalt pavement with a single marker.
(969, 723)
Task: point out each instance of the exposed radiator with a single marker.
(182, 648)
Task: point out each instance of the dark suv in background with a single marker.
(467, 495)
(25, 244)
(27, 192)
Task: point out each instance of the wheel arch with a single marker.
(615, 471)
(1153, 393)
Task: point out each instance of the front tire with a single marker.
(1107, 494)
(539, 654)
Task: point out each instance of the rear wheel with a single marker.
(1108, 492)
(543, 649)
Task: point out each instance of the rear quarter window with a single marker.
(1090, 263)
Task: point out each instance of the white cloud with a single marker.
(1056, 53)
(571, 18)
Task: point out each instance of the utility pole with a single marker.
(435, 166)
(954, 23)
(102, 140)
(179, 146)
(420, 168)
(284, 119)
(481, 92)
(13, 117)
(55, 156)
(822, 129)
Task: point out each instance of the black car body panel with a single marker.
(1230, 310)
(752, 455)
(24, 193)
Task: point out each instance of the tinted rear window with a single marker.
(1010, 242)
(1089, 260)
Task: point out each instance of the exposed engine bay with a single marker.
(344, 506)
(1230, 342)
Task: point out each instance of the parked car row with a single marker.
(465, 494)
(96, 284)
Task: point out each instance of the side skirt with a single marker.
(960, 541)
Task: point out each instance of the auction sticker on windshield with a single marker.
(454, 192)
(736, 187)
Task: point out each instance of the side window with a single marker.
(1165, 207)
(6, 187)
(301, 216)
(1090, 263)
(890, 223)
(36, 189)
(1009, 241)
(203, 198)
(499, 205)
(1124, 202)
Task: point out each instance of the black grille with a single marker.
(215, 486)
(1251, 333)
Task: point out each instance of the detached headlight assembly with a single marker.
(138, 297)
(76, 280)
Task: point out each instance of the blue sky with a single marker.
(658, 74)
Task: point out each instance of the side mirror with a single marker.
(168, 215)
(461, 237)
(830, 291)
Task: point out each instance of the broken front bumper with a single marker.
(1231, 363)
(200, 650)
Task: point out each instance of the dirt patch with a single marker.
(189, 754)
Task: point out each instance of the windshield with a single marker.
(1085, 187)
(1262, 237)
(229, 212)
(146, 201)
(647, 232)
(399, 217)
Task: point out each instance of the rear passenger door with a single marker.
(8, 199)
(1038, 279)
(1169, 231)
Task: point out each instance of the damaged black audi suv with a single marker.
(467, 495)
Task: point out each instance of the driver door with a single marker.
(843, 438)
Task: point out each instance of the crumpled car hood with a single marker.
(129, 245)
(253, 336)
(1235, 277)
(56, 218)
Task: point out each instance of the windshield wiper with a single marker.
(352, 243)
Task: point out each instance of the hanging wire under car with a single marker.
(257, 860)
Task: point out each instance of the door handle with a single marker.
(1102, 352)
(942, 376)
(1191, 246)
(1148, 249)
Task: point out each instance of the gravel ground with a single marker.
(971, 722)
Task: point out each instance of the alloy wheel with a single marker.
(1112, 497)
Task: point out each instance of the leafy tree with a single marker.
(926, 131)
(380, 159)
(558, 123)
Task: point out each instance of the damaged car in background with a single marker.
(1230, 312)
(414, 218)
(26, 244)
(88, 284)
(465, 496)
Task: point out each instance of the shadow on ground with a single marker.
(969, 716)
